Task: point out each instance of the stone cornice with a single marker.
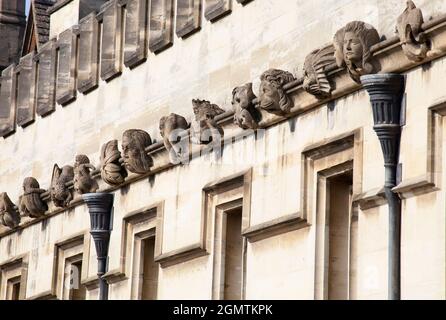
(388, 52)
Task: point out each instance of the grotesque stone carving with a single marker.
(83, 182)
(352, 49)
(9, 217)
(413, 40)
(273, 97)
(111, 170)
(60, 193)
(134, 143)
(30, 203)
(171, 128)
(315, 76)
(204, 128)
(245, 114)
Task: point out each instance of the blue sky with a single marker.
(27, 6)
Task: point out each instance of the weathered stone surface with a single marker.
(88, 53)
(216, 9)
(272, 96)
(188, 18)
(111, 170)
(7, 103)
(9, 217)
(46, 78)
(12, 27)
(352, 49)
(83, 182)
(60, 193)
(413, 40)
(315, 77)
(172, 128)
(134, 144)
(66, 71)
(161, 25)
(204, 128)
(30, 202)
(135, 44)
(111, 15)
(25, 73)
(245, 114)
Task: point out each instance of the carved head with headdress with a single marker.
(111, 170)
(352, 48)
(134, 144)
(272, 95)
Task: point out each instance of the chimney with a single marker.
(12, 27)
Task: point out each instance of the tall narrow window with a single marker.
(77, 290)
(13, 289)
(338, 233)
(150, 270)
(233, 255)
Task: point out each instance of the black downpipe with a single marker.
(386, 93)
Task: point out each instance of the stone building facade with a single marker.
(239, 141)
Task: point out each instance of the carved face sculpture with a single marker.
(111, 170)
(315, 72)
(272, 96)
(352, 48)
(243, 107)
(172, 128)
(134, 143)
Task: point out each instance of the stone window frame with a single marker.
(137, 226)
(431, 180)
(320, 162)
(12, 269)
(227, 200)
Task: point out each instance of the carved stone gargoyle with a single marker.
(408, 27)
(9, 216)
(353, 45)
(272, 95)
(315, 75)
(83, 182)
(60, 193)
(246, 116)
(172, 128)
(31, 203)
(204, 128)
(111, 170)
(134, 144)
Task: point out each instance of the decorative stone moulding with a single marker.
(353, 45)
(83, 181)
(188, 17)
(9, 216)
(161, 25)
(111, 16)
(413, 39)
(7, 103)
(272, 95)
(60, 192)
(315, 72)
(30, 202)
(25, 74)
(87, 69)
(134, 143)
(173, 128)
(135, 38)
(111, 170)
(45, 61)
(204, 128)
(246, 116)
(216, 9)
(66, 71)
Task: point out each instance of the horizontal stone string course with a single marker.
(248, 111)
